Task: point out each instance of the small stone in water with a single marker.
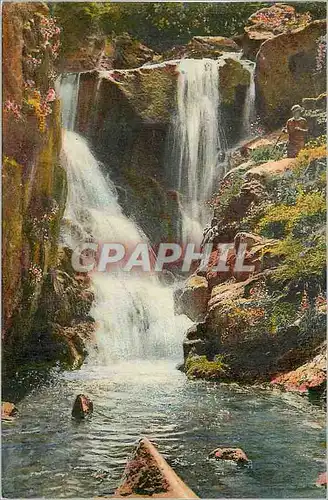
(8, 411)
(235, 454)
(83, 406)
(322, 480)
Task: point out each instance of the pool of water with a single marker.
(47, 454)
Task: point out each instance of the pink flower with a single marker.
(51, 95)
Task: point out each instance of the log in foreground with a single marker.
(148, 474)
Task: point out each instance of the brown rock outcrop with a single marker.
(311, 375)
(192, 299)
(286, 71)
(269, 22)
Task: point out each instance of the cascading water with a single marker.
(68, 89)
(198, 141)
(134, 312)
(249, 112)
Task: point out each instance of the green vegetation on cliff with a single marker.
(201, 367)
(159, 25)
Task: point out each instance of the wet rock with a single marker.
(193, 297)
(309, 376)
(235, 454)
(285, 66)
(82, 408)
(233, 75)
(322, 480)
(148, 474)
(200, 47)
(71, 342)
(8, 411)
(195, 347)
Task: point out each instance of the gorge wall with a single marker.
(34, 190)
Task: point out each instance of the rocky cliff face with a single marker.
(257, 324)
(287, 71)
(127, 115)
(34, 183)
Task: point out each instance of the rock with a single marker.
(270, 169)
(130, 53)
(8, 411)
(192, 299)
(87, 57)
(127, 125)
(322, 479)
(247, 239)
(82, 408)
(147, 474)
(70, 342)
(267, 23)
(33, 182)
(213, 44)
(285, 68)
(196, 347)
(315, 114)
(270, 139)
(233, 75)
(199, 47)
(228, 292)
(310, 376)
(240, 169)
(235, 454)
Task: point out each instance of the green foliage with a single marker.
(318, 10)
(201, 367)
(317, 142)
(280, 220)
(303, 259)
(282, 315)
(77, 21)
(228, 189)
(160, 25)
(264, 154)
(296, 214)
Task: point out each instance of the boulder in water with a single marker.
(148, 474)
(192, 299)
(322, 479)
(83, 407)
(235, 454)
(8, 411)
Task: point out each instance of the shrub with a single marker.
(201, 367)
(264, 154)
(281, 219)
(228, 189)
(303, 260)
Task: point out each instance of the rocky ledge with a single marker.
(259, 325)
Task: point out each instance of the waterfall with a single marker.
(134, 312)
(198, 145)
(249, 112)
(68, 89)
